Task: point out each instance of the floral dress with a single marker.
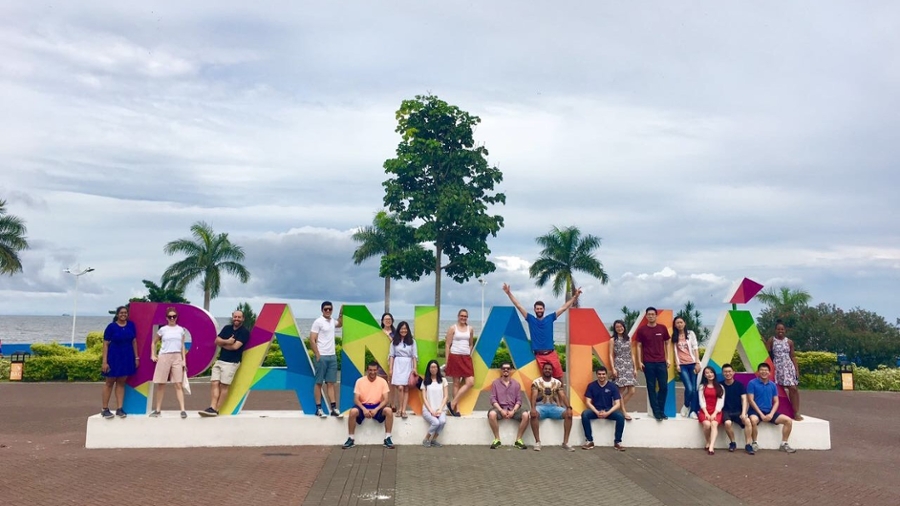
(785, 374)
(624, 364)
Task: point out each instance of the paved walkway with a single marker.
(43, 461)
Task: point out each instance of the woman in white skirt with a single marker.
(170, 361)
(403, 357)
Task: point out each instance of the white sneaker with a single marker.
(755, 446)
(693, 416)
(684, 411)
(537, 446)
(321, 414)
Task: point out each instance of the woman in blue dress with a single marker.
(120, 359)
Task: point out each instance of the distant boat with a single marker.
(66, 314)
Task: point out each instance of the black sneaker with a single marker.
(208, 412)
(334, 413)
(732, 446)
(349, 443)
(106, 413)
(749, 449)
(121, 413)
(388, 443)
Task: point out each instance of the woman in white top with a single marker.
(170, 362)
(687, 364)
(434, 397)
(403, 356)
(458, 346)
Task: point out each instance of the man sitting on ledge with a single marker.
(603, 402)
(370, 397)
(763, 397)
(506, 402)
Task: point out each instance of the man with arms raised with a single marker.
(231, 340)
(321, 340)
(735, 410)
(762, 395)
(654, 360)
(548, 400)
(604, 403)
(540, 328)
(370, 397)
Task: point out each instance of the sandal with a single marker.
(710, 451)
(628, 418)
(403, 415)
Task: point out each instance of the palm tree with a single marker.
(565, 252)
(208, 254)
(784, 300)
(401, 256)
(12, 241)
(693, 320)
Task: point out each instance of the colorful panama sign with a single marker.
(588, 337)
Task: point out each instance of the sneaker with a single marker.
(320, 413)
(121, 413)
(520, 444)
(208, 412)
(426, 443)
(335, 414)
(155, 414)
(787, 448)
(693, 416)
(755, 446)
(664, 417)
(349, 443)
(106, 413)
(619, 447)
(588, 445)
(685, 411)
(732, 446)
(567, 447)
(495, 444)
(749, 449)
(435, 444)
(184, 414)
(388, 443)
(537, 446)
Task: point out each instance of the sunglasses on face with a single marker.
(328, 309)
(505, 369)
(172, 316)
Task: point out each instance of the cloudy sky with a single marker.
(703, 142)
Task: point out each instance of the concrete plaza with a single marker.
(43, 461)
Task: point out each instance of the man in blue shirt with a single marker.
(762, 395)
(603, 402)
(540, 327)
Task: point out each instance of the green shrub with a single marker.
(274, 359)
(79, 367)
(819, 381)
(4, 369)
(94, 340)
(52, 350)
(501, 356)
(881, 379)
(816, 362)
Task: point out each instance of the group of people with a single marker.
(120, 359)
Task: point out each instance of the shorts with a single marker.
(735, 418)
(551, 411)
(379, 415)
(702, 417)
(550, 358)
(326, 369)
(224, 372)
(774, 419)
(169, 368)
(517, 415)
(459, 366)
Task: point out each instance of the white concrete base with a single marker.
(293, 428)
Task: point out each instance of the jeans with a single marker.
(616, 416)
(689, 380)
(437, 423)
(656, 376)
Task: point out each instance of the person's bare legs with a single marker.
(404, 397)
(706, 432)
(713, 433)
(535, 427)
(179, 394)
(786, 426)
(329, 387)
(748, 437)
(567, 426)
(223, 394)
(351, 421)
(465, 384)
(794, 396)
(495, 426)
(629, 393)
(107, 391)
(214, 394)
(160, 393)
(388, 419)
(317, 393)
(120, 391)
(523, 424)
(729, 430)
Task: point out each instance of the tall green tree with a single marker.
(208, 254)
(785, 303)
(693, 320)
(441, 179)
(395, 241)
(566, 252)
(12, 241)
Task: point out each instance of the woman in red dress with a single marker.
(712, 399)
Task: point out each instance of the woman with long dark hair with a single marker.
(403, 357)
(387, 326)
(712, 400)
(434, 398)
(120, 359)
(621, 357)
(687, 362)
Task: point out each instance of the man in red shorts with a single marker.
(540, 327)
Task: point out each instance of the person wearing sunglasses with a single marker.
(169, 361)
(321, 340)
(506, 404)
(231, 341)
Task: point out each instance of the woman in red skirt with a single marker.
(458, 346)
(712, 399)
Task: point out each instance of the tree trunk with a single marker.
(206, 299)
(387, 294)
(437, 279)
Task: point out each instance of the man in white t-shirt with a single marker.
(321, 340)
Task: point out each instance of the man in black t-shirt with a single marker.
(231, 340)
(735, 410)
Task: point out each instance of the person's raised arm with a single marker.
(515, 302)
(565, 307)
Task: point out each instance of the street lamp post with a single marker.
(482, 282)
(77, 273)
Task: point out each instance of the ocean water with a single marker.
(46, 329)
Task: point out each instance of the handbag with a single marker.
(413, 379)
(185, 384)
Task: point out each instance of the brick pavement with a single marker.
(43, 461)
